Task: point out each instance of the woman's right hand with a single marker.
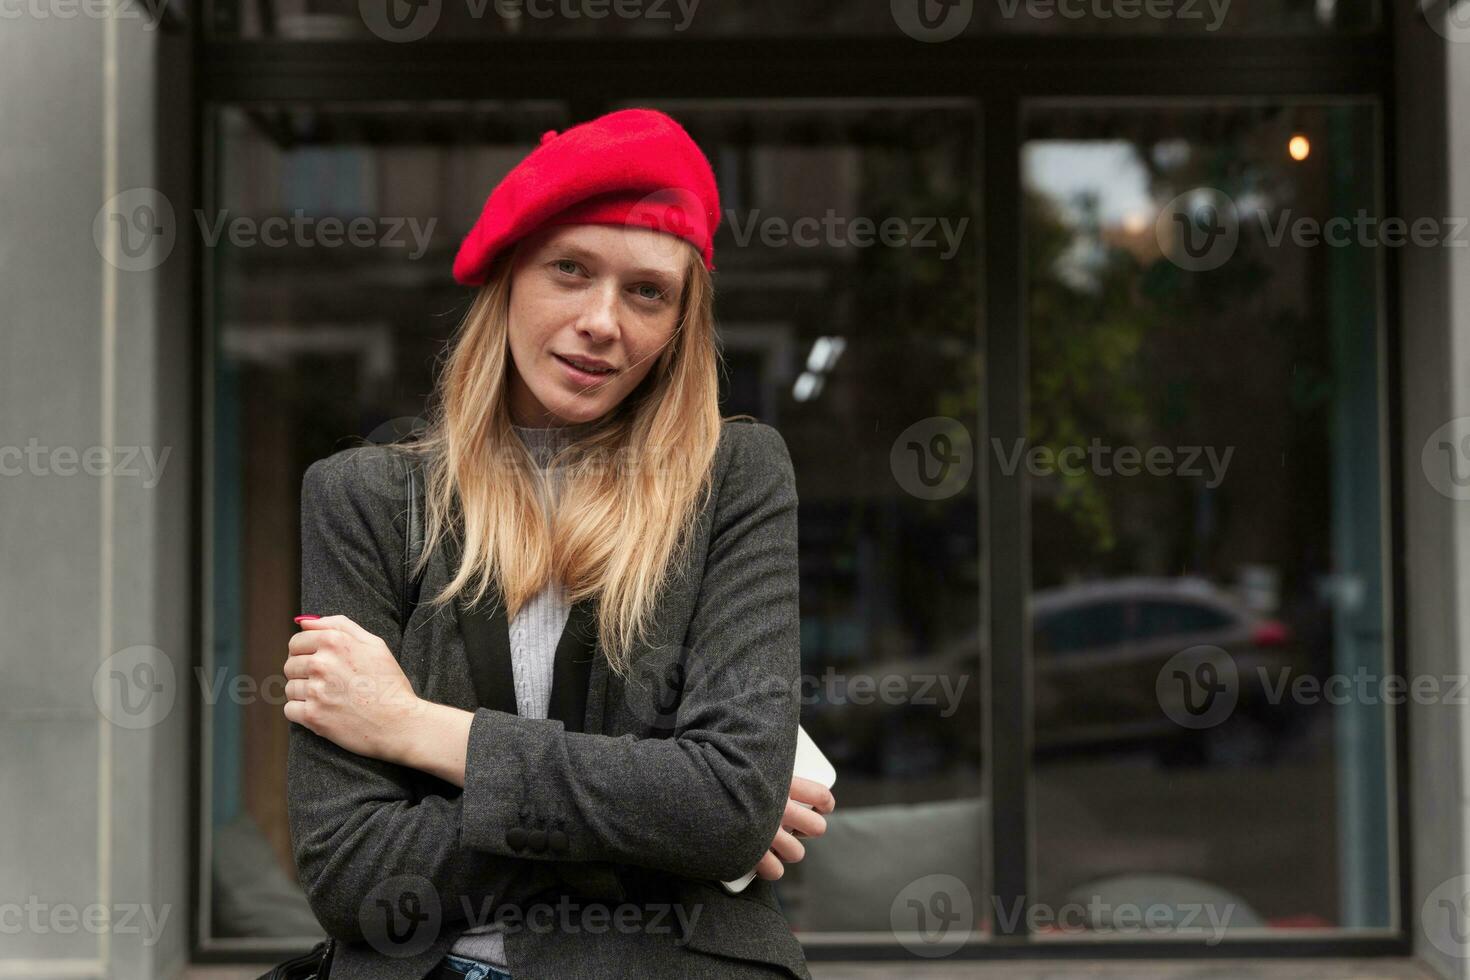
(799, 822)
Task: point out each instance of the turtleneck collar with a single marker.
(545, 441)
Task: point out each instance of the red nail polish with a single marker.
(300, 618)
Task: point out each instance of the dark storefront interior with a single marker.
(1026, 610)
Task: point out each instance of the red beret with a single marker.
(635, 166)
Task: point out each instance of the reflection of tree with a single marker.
(1084, 336)
(1128, 349)
(917, 314)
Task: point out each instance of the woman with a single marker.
(590, 721)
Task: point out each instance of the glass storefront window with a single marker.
(847, 308)
(1208, 515)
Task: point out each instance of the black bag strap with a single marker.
(413, 542)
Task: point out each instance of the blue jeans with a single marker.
(475, 969)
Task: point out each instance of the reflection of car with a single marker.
(1099, 649)
(1097, 653)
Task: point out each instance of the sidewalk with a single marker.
(1362, 969)
(1299, 969)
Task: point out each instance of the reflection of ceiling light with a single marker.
(824, 353)
(1299, 147)
(807, 387)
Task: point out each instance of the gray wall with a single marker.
(1434, 179)
(91, 355)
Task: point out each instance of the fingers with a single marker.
(342, 623)
(307, 642)
(769, 867)
(803, 822)
(813, 792)
(787, 848)
(296, 711)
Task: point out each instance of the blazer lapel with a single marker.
(486, 633)
(572, 672)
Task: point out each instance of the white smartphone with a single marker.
(810, 764)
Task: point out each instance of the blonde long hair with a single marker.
(631, 486)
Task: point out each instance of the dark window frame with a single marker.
(1001, 75)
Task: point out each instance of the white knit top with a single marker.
(534, 634)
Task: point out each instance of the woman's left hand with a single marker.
(798, 822)
(344, 684)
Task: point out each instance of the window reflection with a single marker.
(1219, 539)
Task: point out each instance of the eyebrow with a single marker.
(668, 279)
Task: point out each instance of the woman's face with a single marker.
(606, 296)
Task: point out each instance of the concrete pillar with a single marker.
(95, 379)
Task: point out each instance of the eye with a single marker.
(568, 266)
(650, 292)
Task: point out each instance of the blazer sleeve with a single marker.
(354, 821)
(705, 802)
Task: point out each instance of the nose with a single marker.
(599, 319)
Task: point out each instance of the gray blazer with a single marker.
(600, 846)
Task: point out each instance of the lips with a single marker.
(590, 366)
